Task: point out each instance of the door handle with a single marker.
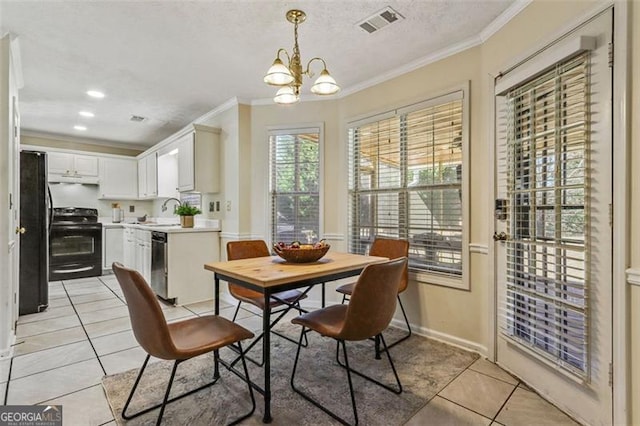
(500, 237)
(20, 230)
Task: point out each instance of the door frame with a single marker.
(620, 176)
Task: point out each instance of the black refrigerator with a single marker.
(35, 210)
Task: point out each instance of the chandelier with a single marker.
(289, 77)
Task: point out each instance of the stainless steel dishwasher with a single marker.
(159, 263)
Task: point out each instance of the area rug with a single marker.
(425, 366)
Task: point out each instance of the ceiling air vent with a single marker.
(380, 20)
(137, 119)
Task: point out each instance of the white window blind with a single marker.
(406, 181)
(294, 185)
(547, 131)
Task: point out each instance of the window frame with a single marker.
(294, 129)
(460, 91)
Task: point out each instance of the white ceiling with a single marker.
(173, 61)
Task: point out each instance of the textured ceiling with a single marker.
(173, 61)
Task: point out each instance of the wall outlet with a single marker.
(217, 206)
(228, 205)
(132, 209)
(212, 206)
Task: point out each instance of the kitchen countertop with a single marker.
(162, 225)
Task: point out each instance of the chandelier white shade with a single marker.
(286, 95)
(289, 77)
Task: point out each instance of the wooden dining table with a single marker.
(271, 274)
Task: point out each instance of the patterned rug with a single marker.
(425, 366)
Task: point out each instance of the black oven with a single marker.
(75, 244)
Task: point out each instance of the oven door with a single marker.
(75, 251)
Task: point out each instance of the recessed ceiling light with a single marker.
(95, 94)
(86, 114)
(78, 127)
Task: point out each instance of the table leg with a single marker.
(216, 353)
(266, 354)
(323, 303)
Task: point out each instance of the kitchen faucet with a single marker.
(164, 205)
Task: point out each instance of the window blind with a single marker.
(547, 131)
(405, 181)
(294, 185)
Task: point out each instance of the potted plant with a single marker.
(186, 213)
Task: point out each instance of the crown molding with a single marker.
(220, 108)
(73, 139)
(503, 19)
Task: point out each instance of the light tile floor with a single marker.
(62, 354)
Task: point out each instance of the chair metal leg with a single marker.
(166, 399)
(166, 394)
(406, 320)
(257, 339)
(236, 312)
(397, 390)
(313, 401)
(253, 399)
(133, 389)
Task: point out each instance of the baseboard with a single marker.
(8, 353)
(442, 337)
(398, 323)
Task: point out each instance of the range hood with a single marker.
(85, 180)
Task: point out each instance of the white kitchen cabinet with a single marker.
(148, 176)
(168, 175)
(129, 248)
(64, 167)
(118, 178)
(187, 281)
(199, 160)
(112, 246)
(142, 240)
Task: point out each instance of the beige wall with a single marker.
(60, 143)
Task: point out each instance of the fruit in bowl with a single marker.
(301, 253)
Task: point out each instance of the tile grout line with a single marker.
(85, 330)
(505, 403)
(6, 389)
(441, 389)
(470, 409)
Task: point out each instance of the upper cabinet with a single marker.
(118, 178)
(199, 159)
(148, 176)
(65, 167)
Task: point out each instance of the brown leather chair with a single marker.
(178, 341)
(392, 249)
(247, 249)
(372, 305)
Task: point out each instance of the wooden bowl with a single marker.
(304, 254)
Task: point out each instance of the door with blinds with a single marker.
(553, 232)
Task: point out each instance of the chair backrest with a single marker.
(245, 249)
(147, 321)
(392, 249)
(373, 301)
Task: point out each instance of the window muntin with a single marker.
(294, 184)
(406, 181)
(548, 142)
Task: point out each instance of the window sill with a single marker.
(439, 279)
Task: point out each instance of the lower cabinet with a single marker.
(143, 253)
(112, 247)
(187, 280)
(129, 248)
